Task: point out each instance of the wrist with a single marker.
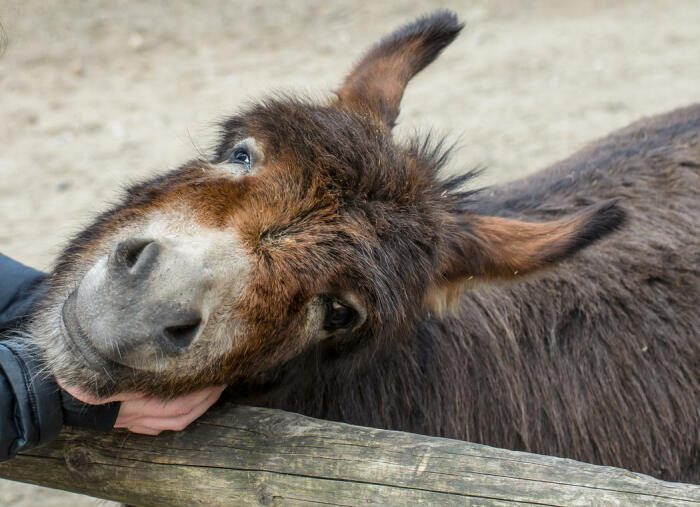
(98, 417)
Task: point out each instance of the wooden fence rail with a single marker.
(251, 456)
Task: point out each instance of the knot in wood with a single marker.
(83, 462)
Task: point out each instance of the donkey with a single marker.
(317, 265)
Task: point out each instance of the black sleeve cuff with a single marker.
(82, 415)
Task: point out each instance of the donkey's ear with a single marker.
(377, 82)
(483, 248)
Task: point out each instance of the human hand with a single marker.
(149, 415)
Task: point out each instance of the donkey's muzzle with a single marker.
(142, 305)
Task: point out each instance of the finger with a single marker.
(184, 404)
(119, 397)
(89, 398)
(155, 407)
(135, 410)
(178, 423)
(144, 430)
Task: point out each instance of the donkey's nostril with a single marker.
(182, 335)
(135, 255)
(131, 256)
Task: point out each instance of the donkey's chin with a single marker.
(77, 340)
(82, 347)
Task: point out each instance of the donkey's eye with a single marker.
(239, 156)
(339, 316)
(242, 158)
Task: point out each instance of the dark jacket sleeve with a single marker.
(32, 407)
(19, 288)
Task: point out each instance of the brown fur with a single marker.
(595, 358)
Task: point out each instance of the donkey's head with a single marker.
(310, 226)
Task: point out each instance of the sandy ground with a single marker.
(99, 93)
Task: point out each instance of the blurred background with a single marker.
(97, 94)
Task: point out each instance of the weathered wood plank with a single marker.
(251, 456)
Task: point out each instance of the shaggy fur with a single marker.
(555, 343)
(597, 359)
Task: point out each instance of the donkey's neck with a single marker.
(433, 376)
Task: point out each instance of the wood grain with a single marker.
(251, 456)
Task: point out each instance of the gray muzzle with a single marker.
(140, 306)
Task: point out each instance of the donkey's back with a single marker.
(599, 359)
(653, 164)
